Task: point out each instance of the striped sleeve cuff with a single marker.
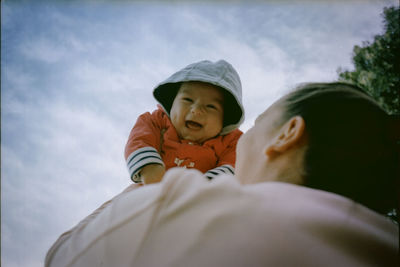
(224, 169)
(140, 158)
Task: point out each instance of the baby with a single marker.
(196, 125)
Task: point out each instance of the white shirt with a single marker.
(187, 220)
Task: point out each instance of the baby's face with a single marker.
(197, 112)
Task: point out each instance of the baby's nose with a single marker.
(196, 110)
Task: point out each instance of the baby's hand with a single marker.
(152, 173)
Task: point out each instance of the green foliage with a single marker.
(377, 64)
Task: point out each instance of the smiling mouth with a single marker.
(193, 125)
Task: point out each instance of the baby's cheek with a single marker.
(174, 120)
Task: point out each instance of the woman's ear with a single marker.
(288, 136)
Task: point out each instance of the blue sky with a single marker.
(74, 77)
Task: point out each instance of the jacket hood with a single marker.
(219, 73)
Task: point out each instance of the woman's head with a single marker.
(345, 144)
(349, 151)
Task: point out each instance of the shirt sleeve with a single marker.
(227, 156)
(143, 145)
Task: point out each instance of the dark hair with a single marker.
(232, 112)
(349, 150)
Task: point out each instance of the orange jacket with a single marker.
(154, 139)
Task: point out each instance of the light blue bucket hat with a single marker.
(219, 73)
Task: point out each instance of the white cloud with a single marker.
(43, 50)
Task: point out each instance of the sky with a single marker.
(76, 75)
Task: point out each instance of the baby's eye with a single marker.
(187, 99)
(211, 106)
